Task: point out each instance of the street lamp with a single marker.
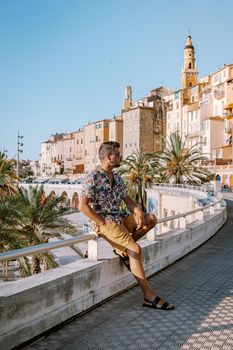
(19, 150)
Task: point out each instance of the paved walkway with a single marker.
(201, 287)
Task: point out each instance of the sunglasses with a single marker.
(116, 154)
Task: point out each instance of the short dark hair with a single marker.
(106, 148)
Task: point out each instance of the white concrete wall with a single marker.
(35, 304)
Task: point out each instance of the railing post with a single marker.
(200, 215)
(93, 248)
(212, 210)
(182, 223)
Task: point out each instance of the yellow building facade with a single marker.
(95, 133)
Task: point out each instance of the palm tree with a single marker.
(8, 178)
(36, 219)
(181, 165)
(10, 238)
(139, 175)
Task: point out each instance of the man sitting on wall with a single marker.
(102, 194)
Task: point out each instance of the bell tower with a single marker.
(127, 98)
(189, 71)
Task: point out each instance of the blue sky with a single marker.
(65, 63)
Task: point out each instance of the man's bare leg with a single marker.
(135, 261)
(134, 254)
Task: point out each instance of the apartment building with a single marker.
(62, 154)
(116, 131)
(95, 134)
(144, 123)
(79, 150)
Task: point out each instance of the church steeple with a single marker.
(189, 71)
(128, 98)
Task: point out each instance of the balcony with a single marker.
(219, 94)
(228, 115)
(193, 134)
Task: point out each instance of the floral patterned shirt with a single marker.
(105, 195)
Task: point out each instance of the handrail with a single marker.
(187, 213)
(14, 254)
(203, 188)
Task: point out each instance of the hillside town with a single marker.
(200, 111)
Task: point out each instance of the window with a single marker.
(190, 65)
(177, 94)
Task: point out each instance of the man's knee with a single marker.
(135, 250)
(152, 220)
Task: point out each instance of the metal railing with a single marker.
(14, 254)
(182, 218)
(203, 188)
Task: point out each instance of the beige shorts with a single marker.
(119, 236)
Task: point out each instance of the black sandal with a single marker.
(124, 259)
(154, 304)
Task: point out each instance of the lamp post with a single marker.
(19, 150)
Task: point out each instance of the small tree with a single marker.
(8, 178)
(36, 219)
(139, 175)
(181, 165)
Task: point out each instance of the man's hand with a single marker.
(139, 215)
(139, 218)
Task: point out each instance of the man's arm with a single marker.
(133, 207)
(85, 208)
